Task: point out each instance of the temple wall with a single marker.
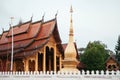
(98, 75)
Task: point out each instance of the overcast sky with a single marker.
(92, 19)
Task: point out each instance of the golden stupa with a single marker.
(70, 62)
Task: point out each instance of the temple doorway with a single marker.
(40, 61)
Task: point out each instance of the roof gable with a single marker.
(46, 29)
(19, 29)
(3, 38)
(111, 59)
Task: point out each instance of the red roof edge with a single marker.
(18, 25)
(111, 57)
(2, 33)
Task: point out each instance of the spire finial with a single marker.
(71, 9)
(71, 26)
(3, 29)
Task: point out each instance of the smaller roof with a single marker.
(113, 58)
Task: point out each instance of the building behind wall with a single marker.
(112, 64)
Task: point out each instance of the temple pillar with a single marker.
(26, 65)
(60, 59)
(55, 58)
(14, 66)
(36, 62)
(44, 59)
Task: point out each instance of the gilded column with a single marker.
(14, 66)
(36, 62)
(55, 57)
(60, 61)
(26, 65)
(44, 59)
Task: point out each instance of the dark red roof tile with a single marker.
(19, 29)
(16, 45)
(46, 30)
(3, 38)
(33, 31)
(29, 37)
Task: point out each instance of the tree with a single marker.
(117, 49)
(95, 56)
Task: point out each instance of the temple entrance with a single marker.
(49, 59)
(1, 65)
(40, 61)
(8, 64)
(112, 67)
(19, 65)
(58, 64)
(52, 59)
(31, 65)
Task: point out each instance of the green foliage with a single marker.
(117, 49)
(94, 56)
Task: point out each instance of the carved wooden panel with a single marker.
(31, 65)
(19, 65)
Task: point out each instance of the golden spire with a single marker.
(71, 26)
(70, 62)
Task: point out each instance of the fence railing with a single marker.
(83, 75)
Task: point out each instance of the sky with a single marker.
(93, 20)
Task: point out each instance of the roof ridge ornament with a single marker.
(20, 22)
(43, 16)
(56, 14)
(2, 29)
(31, 18)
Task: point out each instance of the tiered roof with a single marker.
(29, 37)
(113, 58)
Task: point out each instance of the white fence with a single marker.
(82, 75)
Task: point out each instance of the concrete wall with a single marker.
(82, 75)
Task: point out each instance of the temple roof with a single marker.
(29, 37)
(112, 57)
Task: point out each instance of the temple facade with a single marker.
(37, 47)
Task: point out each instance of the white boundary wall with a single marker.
(82, 75)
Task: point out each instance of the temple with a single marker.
(70, 61)
(37, 47)
(112, 64)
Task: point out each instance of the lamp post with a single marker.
(11, 67)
